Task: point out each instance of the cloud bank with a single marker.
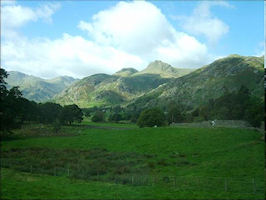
(129, 34)
(203, 22)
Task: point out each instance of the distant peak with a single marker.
(126, 72)
(234, 55)
(127, 69)
(158, 65)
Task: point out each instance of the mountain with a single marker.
(164, 70)
(160, 83)
(125, 72)
(120, 88)
(103, 89)
(38, 89)
(208, 82)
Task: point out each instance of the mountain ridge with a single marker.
(36, 88)
(209, 82)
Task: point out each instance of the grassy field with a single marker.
(121, 161)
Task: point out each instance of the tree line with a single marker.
(235, 105)
(16, 110)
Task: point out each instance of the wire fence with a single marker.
(244, 185)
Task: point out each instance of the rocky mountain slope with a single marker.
(211, 81)
(164, 70)
(38, 89)
(125, 72)
(119, 88)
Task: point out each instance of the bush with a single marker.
(255, 111)
(115, 117)
(151, 117)
(98, 117)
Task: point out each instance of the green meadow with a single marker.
(121, 161)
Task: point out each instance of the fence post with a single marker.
(254, 186)
(225, 185)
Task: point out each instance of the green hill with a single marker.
(126, 72)
(164, 70)
(210, 81)
(38, 89)
(119, 88)
(103, 89)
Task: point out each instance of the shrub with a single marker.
(151, 117)
(98, 117)
(115, 117)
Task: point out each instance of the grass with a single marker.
(103, 161)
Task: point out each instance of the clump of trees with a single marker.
(151, 117)
(71, 113)
(115, 117)
(15, 110)
(98, 117)
(238, 105)
(175, 113)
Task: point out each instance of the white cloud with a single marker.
(69, 55)
(140, 28)
(130, 34)
(8, 2)
(14, 16)
(202, 21)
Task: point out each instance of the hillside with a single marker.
(103, 89)
(119, 88)
(126, 72)
(38, 89)
(164, 70)
(210, 81)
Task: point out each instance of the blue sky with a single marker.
(80, 38)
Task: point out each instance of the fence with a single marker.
(193, 183)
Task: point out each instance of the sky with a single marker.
(81, 38)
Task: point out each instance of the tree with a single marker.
(115, 117)
(175, 113)
(151, 117)
(3, 75)
(71, 113)
(98, 116)
(49, 112)
(255, 111)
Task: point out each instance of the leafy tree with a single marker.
(151, 117)
(49, 112)
(11, 108)
(115, 117)
(255, 111)
(3, 75)
(98, 116)
(175, 113)
(117, 109)
(71, 113)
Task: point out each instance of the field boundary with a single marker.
(231, 185)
